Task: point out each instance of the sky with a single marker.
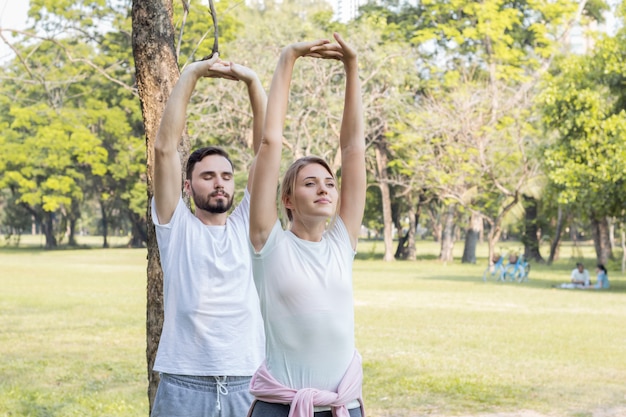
(12, 16)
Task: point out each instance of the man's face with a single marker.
(581, 268)
(212, 185)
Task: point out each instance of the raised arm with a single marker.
(168, 170)
(258, 101)
(352, 143)
(167, 165)
(263, 209)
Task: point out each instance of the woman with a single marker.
(602, 280)
(304, 274)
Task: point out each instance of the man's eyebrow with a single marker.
(210, 172)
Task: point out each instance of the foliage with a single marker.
(468, 132)
(583, 113)
(74, 127)
(448, 88)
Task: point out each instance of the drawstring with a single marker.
(221, 389)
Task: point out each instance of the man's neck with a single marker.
(211, 219)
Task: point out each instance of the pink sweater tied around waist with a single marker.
(265, 388)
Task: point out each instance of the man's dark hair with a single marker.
(199, 154)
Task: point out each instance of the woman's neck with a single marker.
(308, 231)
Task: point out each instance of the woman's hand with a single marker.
(341, 50)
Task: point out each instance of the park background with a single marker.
(492, 127)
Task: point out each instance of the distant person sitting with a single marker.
(602, 280)
(580, 276)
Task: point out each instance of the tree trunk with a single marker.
(601, 239)
(71, 239)
(138, 235)
(47, 226)
(406, 242)
(471, 239)
(435, 223)
(447, 237)
(157, 71)
(411, 255)
(495, 230)
(381, 167)
(105, 225)
(530, 238)
(623, 244)
(558, 230)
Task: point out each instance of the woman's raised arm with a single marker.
(263, 208)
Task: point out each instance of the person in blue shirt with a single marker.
(602, 280)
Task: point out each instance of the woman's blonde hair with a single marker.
(291, 176)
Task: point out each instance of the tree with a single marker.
(479, 62)
(587, 124)
(156, 70)
(85, 80)
(42, 143)
(530, 239)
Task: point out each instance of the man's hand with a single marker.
(232, 71)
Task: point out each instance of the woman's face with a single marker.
(314, 195)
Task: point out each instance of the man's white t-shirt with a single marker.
(212, 323)
(305, 289)
(581, 276)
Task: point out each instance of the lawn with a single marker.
(435, 338)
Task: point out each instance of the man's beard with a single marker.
(218, 207)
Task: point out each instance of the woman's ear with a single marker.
(287, 202)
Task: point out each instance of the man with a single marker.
(212, 339)
(580, 276)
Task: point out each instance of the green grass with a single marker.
(72, 339)
(435, 339)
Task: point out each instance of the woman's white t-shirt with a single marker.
(305, 290)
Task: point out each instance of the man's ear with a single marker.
(187, 188)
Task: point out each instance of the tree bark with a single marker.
(623, 245)
(406, 242)
(138, 232)
(554, 246)
(381, 166)
(531, 230)
(601, 239)
(471, 239)
(157, 71)
(413, 217)
(105, 224)
(447, 237)
(47, 226)
(435, 223)
(71, 238)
